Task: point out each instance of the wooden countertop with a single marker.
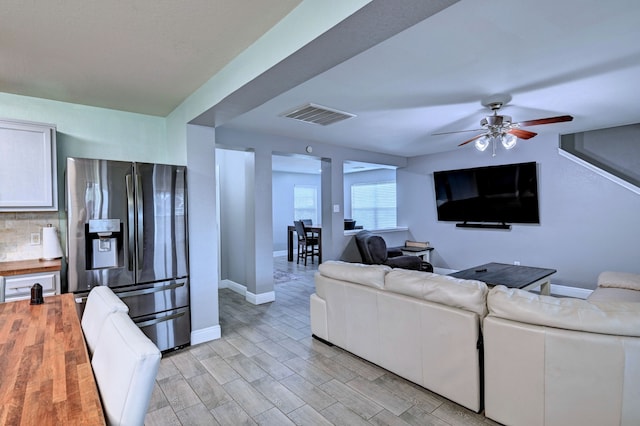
(32, 266)
(46, 372)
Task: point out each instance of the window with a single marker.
(373, 205)
(305, 202)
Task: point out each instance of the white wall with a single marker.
(334, 240)
(233, 213)
(84, 131)
(282, 206)
(203, 234)
(90, 132)
(261, 241)
(615, 149)
(305, 23)
(242, 211)
(588, 223)
(101, 133)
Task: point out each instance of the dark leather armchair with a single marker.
(373, 250)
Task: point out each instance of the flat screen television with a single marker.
(494, 194)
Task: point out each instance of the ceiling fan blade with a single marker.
(550, 120)
(471, 140)
(456, 131)
(522, 134)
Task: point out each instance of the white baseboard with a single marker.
(280, 253)
(566, 291)
(259, 299)
(443, 271)
(205, 334)
(254, 299)
(233, 286)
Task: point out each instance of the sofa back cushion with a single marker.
(469, 295)
(615, 318)
(369, 275)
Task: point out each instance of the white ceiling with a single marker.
(553, 57)
(578, 57)
(142, 56)
(311, 165)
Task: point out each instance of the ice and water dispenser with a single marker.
(104, 243)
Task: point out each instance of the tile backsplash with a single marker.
(15, 234)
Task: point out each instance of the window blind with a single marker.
(373, 205)
(305, 202)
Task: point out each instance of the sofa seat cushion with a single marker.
(629, 281)
(612, 294)
(469, 295)
(369, 275)
(615, 318)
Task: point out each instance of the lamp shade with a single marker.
(50, 243)
(482, 143)
(509, 140)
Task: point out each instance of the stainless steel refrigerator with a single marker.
(127, 229)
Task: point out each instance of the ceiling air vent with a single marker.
(317, 114)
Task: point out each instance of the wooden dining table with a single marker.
(45, 371)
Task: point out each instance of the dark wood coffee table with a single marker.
(513, 276)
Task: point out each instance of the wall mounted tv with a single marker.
(494, 194)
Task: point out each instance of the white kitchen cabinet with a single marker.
(28, 166)
(17, 287)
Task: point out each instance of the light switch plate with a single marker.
(336, 208)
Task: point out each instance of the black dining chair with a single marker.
(307, 244)
(307, 224)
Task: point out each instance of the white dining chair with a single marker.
(125, 364)
(101, 303)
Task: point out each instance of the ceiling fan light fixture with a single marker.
(498, 128)
(508, 140)
(482, 143)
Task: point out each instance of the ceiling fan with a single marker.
(500, 128)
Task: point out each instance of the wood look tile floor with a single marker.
(266, 369)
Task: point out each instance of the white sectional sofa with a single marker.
(547, 360)
(617, 287)
(555, 361)
(421, 326)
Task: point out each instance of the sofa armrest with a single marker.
(405, 262)
(426, 267)
(626, 280)
(394, 251)
(318, 315)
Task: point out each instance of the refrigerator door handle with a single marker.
(140, 211)
(151, 290)
(130, 221)
(159, 320)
